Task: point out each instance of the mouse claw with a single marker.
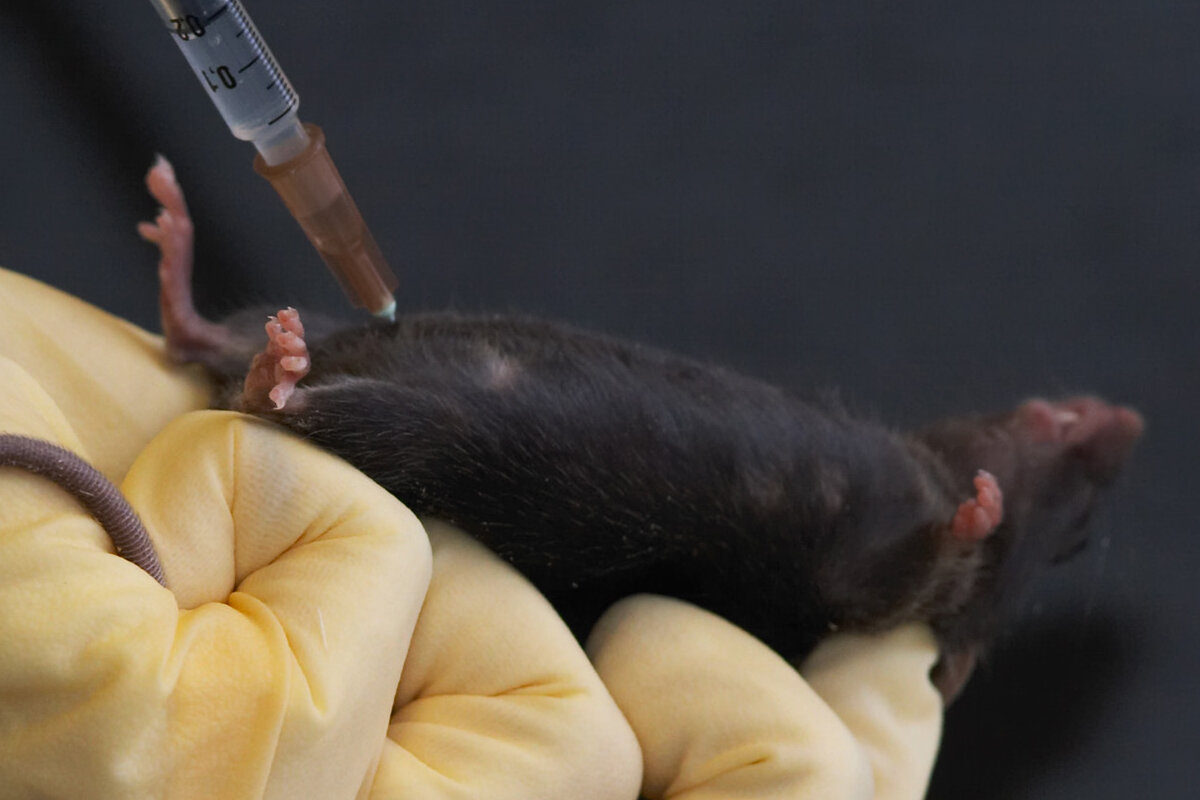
(978, 517)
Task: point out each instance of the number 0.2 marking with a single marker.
(187, 27)
(224, 77)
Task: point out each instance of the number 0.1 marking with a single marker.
(224, 77)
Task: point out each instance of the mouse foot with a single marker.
(189, 336)
(978, 517)
(275, 372)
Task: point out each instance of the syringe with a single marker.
(254, 97)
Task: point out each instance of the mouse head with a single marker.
(1051, 461)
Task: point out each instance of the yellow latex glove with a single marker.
(720, 715)
(120, 693)
(271, 666)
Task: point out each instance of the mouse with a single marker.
(602, 468)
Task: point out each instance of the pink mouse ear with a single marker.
(977, 517)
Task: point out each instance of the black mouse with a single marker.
(602, 468)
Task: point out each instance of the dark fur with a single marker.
(602, 468)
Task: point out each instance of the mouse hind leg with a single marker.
(190, 338)
(405, 437)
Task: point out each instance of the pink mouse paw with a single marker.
(172, 229)
(275, 372)
(978, 517)
(188, 335)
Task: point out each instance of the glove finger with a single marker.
(879, 687)
(497, 699)
(328, 570)
(717, 713)
(279, 687)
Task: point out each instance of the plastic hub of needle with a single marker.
(314, 193)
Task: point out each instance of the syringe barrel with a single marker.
(315, 194)
(237, 70)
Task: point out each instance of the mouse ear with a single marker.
(977, 517)
(952, 671)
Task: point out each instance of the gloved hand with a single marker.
(271, 667)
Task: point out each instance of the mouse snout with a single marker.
(1112, 439)
(1100, 434)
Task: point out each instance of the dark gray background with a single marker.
(935, 207)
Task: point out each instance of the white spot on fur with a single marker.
(500, 372)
